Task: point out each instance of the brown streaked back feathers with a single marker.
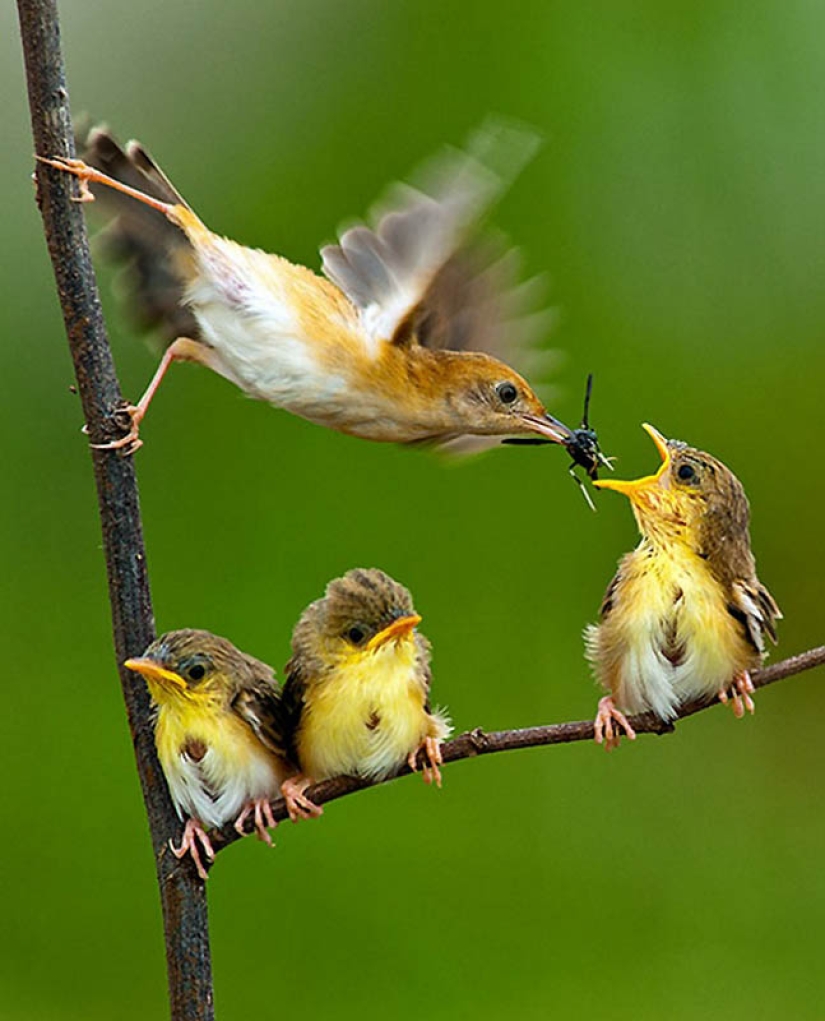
(724, 525)
(724, 542)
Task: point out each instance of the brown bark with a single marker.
(183, 897)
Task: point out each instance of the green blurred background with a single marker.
(678, 207)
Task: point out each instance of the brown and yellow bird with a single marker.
(685, 615)
(398, 344)
(357, 696)
(210, 699)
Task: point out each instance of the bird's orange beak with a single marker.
(547, 426)
(155, 674)
(400, 627)
(632, 490)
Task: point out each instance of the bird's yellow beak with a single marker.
(166, 680)
(633, 489)
(400, 627)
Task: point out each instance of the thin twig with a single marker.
(183, 896)
(479, 742)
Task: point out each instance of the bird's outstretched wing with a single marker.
(417, 277)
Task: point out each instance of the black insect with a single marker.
(582, 445)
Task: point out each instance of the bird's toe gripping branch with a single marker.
(739, 694)
(82, 171)
(297, 803)
(192, 833)
(264, 819)
(609, 724)
(130, 416)
(87, 175)
(430, 771)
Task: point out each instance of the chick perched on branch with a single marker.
(357, 694)
(210, 698)
(685, 615)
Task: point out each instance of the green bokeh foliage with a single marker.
(677, 207)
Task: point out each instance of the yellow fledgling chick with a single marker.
(209, 699)
(399, 344)
(685, 615)
(357, 696)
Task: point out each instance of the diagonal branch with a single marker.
(479, 742)
(183, 898)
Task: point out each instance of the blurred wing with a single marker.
(754, 607)
(414, 277)
(151, 249)
(478, 301)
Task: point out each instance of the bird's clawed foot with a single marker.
(264, 819)
(86, 175)
(82, 171)
(605, 731)
(192, 833)
(131, 415)
(297, 804)
(431, 747)
(739, 694)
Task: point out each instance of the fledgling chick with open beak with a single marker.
(357, 696)
(209, 699)
(685, 615)
(398, 344)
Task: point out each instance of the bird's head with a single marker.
(191, 666)
(692, 498)
(484, 397)
(364, 616)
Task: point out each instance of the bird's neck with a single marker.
(421, 382)
(667, 536)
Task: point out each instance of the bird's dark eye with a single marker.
(507, 392)
(194, 668)
(356, 635)
(686, 473)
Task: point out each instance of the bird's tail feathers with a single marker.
(154, 252)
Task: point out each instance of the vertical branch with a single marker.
(183, 896)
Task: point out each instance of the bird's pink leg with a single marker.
(431, 747)
(297, 804)
(264, 819)
(739, 694)
(192, 833)
(182, 350)
(604, 731)
(86, 175)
